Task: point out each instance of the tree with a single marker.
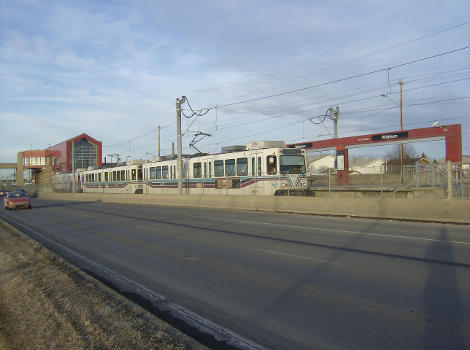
(393, 157)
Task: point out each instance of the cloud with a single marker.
(114, 69)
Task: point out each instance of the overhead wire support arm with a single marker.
(195, 140)
(195, 113)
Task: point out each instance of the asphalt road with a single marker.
(282, 280)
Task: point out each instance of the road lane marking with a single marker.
(347, 231)
(296, 256)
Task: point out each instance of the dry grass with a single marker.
(47, 303)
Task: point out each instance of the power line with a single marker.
(374, 109)
(339, 80)
(406, 105)
(378, 51)
(137, 137)
(376, 96)
(335, 101)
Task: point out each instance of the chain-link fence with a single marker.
(445, 181)
(450, 180)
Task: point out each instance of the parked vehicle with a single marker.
(16, 199)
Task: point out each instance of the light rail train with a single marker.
(260, 168)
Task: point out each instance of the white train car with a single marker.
(120, 179)
(263, 168)
(161, 176)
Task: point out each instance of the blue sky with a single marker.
(113, 69)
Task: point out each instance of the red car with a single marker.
(16, 200)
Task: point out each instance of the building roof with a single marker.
(40, 153)
(363, 161)
(315, 157)
(79, 137)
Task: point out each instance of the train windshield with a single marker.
(292, 164)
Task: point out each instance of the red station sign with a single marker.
(452, 134)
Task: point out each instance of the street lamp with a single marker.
(401, 124)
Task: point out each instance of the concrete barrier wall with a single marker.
(437, 210)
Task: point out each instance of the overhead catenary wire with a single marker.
(338, 80)
(323, 116)
(380, 51)
(201, 112)
(134, 138)
(336, 99)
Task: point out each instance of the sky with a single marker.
(262, 70)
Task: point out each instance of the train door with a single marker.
(209, 173)
(257, 171)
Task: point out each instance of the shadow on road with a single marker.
(205, 227)
(445, 323)
(38, 205)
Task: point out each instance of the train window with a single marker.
(230, 167)
(204, 166)
(139, 174)
(271, 165)
(218, 168)
(165, 172)
(196, 170)
(253, 166)
(174, 171)
(158, 172)
(134, 174)
(118, 175)
(152, 173)
(259, 166)
(242, 166)
(210, 169)
(99, 177)
(106, 176)
(123, 175)
(171, 172)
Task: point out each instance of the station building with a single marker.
(83, 150)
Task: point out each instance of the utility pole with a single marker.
(334, 117)
(401, 129)
(158, 149)
(179, 165)
(73, 167)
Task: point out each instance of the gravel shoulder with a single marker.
(47, 303)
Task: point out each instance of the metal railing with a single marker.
(419, 181)
(447, 181)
